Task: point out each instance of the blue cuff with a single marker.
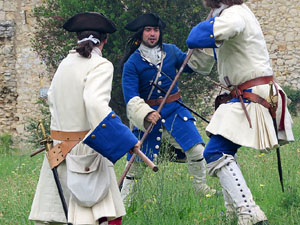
(202, 35)
(111, 138)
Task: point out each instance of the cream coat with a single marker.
(242, 56)
(78, 98)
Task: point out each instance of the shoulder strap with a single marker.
(157, 74)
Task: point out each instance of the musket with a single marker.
(273, 100)
(48, 142)
(181, 103)
(190, 52)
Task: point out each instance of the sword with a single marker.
(273, 99)
(47, 141)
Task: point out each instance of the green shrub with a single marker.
(294, 96)
(34, 135)
(6, 143)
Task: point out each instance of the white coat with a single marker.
(78, 99)
(242, 56)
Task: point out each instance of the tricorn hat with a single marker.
(147, 19)
(89, 21)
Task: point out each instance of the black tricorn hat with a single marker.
(89, 21)
(147, 19)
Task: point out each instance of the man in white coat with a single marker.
(79, 104)
(248, 115)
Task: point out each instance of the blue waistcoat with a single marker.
(136, 81)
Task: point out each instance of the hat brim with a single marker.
(148, 19)
(89, 21)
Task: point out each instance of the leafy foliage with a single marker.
(34, 135)
(52, 42)
(6, 143)
(294, 96)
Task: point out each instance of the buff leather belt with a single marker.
(238, 92)
(171, 98)
(58, 153)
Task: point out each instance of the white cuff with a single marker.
(137, 110)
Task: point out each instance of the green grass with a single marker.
(167, 197)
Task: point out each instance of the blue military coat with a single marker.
(138, 74)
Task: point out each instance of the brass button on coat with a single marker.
(93, 136)
(103, 125)
(113, 115)
(211, 36)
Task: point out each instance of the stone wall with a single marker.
(21, 72)
(8, 79)
(23, 76)
(280, 21)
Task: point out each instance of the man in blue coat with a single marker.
(149, 61)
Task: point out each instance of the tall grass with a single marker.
(167, 197)
(18, 179)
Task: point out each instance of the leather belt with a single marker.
(58, 153)
(238, 92)
(171, 98)
(255, 82)
(249, 95)
(68, 136)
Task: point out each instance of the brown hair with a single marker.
(216, 3)
(85, 48)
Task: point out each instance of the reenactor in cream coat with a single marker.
(256, 102)
(79, 104)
